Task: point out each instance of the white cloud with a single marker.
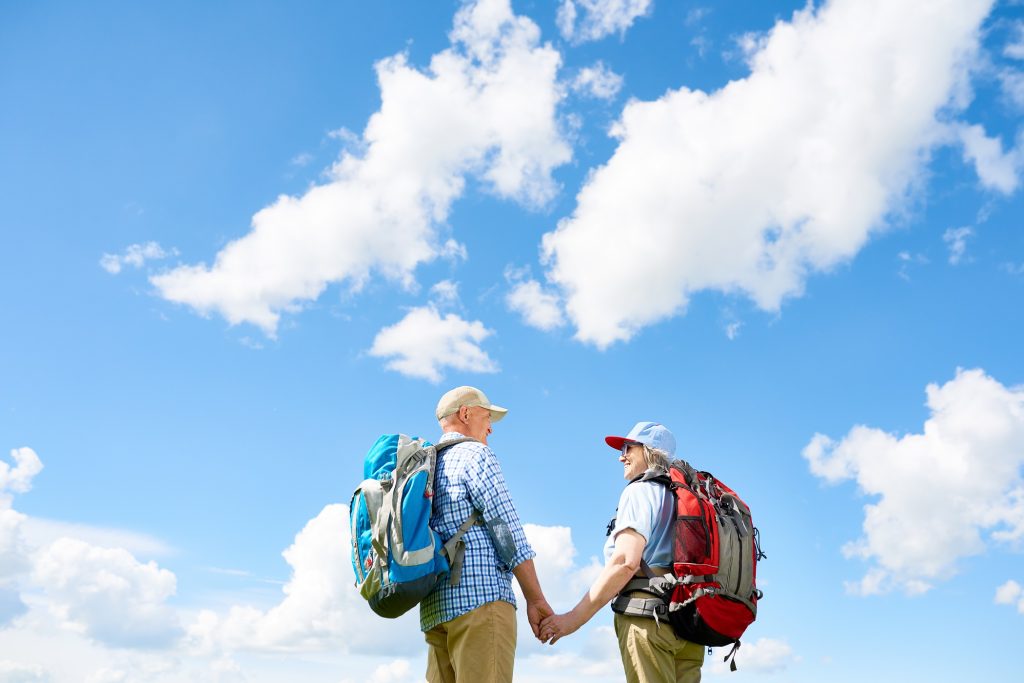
(106, 675)
(423, 344)
(14, 549)
(445, 293)
(1012, 82)
(485, 107)
(789, 171)
(996, 169)
(598, 81)
(107, 594)
(563, 581)
(135, 256)
(582, 20)
(13, 672)
(454, 251)
(765, 655)
(956, 241)
(396, 671)
(109, 616)
(936, 494)
(1015, 47)
(40, 532)
(321, 608)
(1011, 593)
(18, 479)
(697, 15)
(539, 308)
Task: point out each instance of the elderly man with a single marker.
(470, 627)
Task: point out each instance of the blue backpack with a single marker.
(396, 556)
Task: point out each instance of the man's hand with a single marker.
(537, 611)
(558, 626)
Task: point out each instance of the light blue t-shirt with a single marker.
(648, 508)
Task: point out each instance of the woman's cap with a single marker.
(650, 434)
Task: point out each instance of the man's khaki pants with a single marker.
(651, 652)
(476, 647)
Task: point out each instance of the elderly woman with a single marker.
(641, 533)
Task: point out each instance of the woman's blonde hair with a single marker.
(655, 458)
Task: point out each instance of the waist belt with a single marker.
(659, 589)
(652, 608)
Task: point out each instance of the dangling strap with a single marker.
(455, 548)
(732, 656)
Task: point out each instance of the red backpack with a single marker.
(711, 597)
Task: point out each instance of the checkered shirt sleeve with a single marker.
(469, 476)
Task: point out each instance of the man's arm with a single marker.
(489, 494)
(537, 607)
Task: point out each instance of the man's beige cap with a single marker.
(467, 396)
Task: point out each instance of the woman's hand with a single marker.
(558, 626)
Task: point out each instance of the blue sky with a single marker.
(243, 240)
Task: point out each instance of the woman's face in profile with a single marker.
(633, 462)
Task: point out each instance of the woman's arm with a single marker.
(621, 567)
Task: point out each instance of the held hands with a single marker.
(536, 611)
(558, 626)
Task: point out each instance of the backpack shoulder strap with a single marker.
(658, 476)
(455, 548)
(454, 442)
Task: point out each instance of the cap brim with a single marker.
(497, 412)
(616, 442)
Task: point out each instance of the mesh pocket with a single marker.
(691, 541)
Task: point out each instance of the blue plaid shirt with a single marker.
(468, 476)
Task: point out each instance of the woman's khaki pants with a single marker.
(651, 652)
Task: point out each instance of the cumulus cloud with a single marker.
(40, 532)
(1011, 593)
(13, 672)
(135, 256)
(997, 170)
(423, 344)
(1014, 48)
(321, 608)
(485, 107)
(539, 308)
(940, 495)
(106, 675)
(1012, 82)
(765, 655)
(597, 81)
(445, 293)
(562, 578)
(106, 594)
(396, 671)
(580, 21)
(14, 550)
(109, 614)
(18, 479)
(789, 171)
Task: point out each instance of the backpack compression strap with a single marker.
(455, 548)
